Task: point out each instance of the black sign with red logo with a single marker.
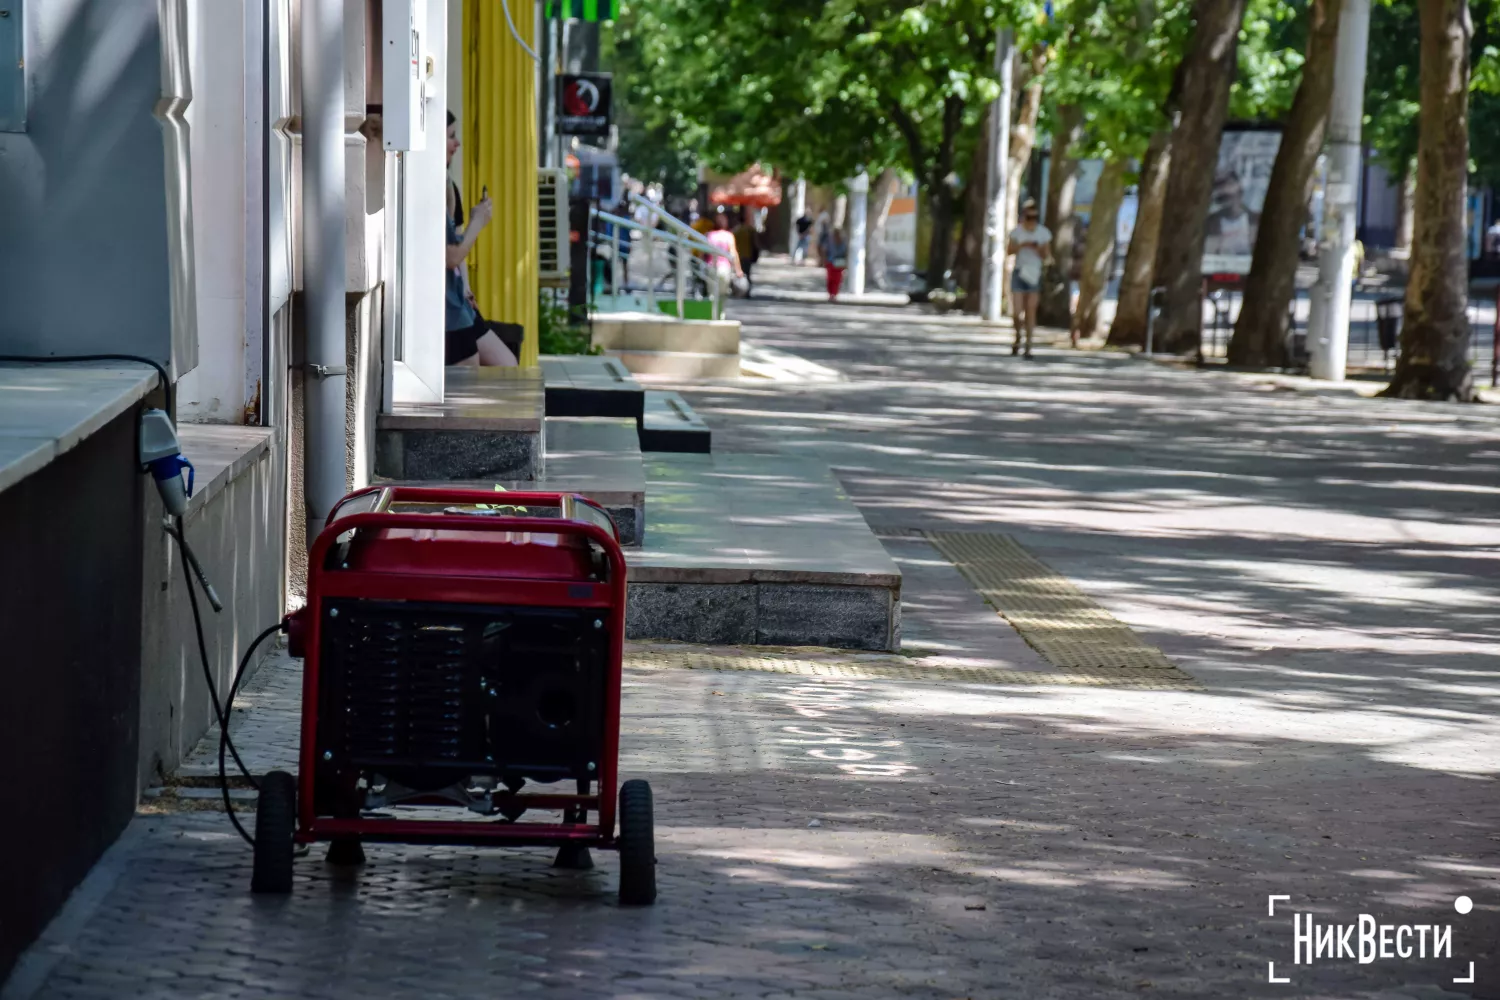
(583, 101)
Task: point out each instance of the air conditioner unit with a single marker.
(552, 202)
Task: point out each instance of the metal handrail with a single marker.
(688, 241)
(697, 237)
(699, 267)
(673, 223)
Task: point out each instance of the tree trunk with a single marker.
(940, 195)
(886, 185)
(1208, 69)
(1129, 326)
(1259, 338)
(968, 265)
(1099, 248)
(1023, 133)
(1407, 220)
(1055, 306)
(1434, 362)
(940, 243)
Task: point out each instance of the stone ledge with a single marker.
(47, 409)
(220, 454)
(477, 399)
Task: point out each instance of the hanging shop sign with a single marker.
(583, 103)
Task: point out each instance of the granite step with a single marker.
(759, 550)
(596, 457)
(629, 332)
(582, 385)
(489, 425)
(681, 364)
(670, 425)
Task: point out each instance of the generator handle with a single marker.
(387, 495)
(480, 522)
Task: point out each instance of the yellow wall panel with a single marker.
(500, 151)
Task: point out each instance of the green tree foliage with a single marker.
(818, 87)
(1391, 103)
(1273, 41)
(1392, 97)
(1114, 60)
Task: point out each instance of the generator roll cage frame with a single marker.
(357, 584)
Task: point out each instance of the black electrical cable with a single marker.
(166, 382)
(213, 691)
(220, 712)
(225, 742)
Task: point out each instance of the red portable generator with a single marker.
(461, 647)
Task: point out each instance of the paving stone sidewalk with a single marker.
(1323, 567)
(825, 837)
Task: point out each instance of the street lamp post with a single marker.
(1328, 319)
(993, 283)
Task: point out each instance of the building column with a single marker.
(799, 206)
(859, 199)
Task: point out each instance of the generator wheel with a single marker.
(275, 823)
(637, 845)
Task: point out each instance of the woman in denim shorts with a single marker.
(1031, 243)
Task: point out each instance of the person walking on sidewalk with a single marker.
(726, 265)
(747, 242)
(804, 231)
(834, 253)
(1031, 243)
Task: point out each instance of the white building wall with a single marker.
(214, 391)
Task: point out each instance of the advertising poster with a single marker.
(1246, 157)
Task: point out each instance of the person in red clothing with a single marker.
(835, 255)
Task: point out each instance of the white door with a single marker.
(416, 241)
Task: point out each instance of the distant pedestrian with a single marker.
(725, 265)
(1031, 243)
(804, 236)
(625, 235)
(834, 252)
(747, 242)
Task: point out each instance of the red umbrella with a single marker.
(753, 187)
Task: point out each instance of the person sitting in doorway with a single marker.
(470, 339)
